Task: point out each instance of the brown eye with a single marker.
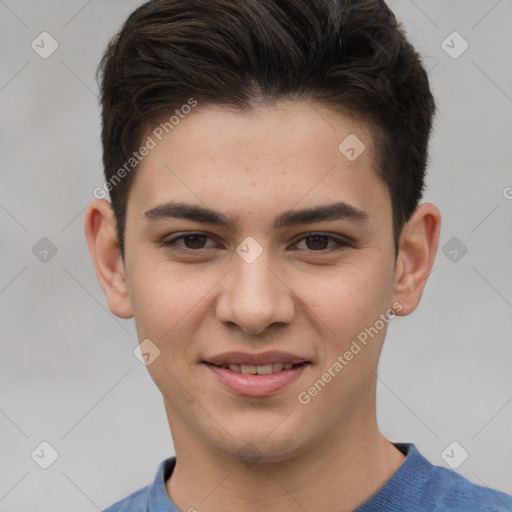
(318, 242)
(192, 242)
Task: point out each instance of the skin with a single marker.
(265, 453)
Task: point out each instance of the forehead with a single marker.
(266, 159)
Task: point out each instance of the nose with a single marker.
(254, 296)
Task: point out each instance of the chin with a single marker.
(260, 449)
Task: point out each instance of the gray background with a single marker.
(67, 372)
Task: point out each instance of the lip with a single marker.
(257, 385)
(268, 357)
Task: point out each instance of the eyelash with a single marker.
(341, 244)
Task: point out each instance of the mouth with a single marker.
(256, 374)
(263, 369)
(262, 374)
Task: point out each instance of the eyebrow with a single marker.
(329, 212)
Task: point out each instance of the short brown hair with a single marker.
(350, 55)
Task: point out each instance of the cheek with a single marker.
(166, 301)
(348, 298)
(163, 295)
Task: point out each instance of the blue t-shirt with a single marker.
(416, 486)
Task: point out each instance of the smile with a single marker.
(264, 369)
(257, 380)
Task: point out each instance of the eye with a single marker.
(318, 241)
(193, 242)
(315, 242)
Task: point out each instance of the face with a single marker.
(273, 267)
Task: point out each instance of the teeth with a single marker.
(248, 369)
(263, 369)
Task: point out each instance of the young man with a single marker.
(265, 160)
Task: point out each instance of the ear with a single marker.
(417, 250)
(100, 231)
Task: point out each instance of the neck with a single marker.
(340, 473)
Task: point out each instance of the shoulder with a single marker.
(444, 490)
(420, 486)
(151, 497)
(135, 502)
(451, 491)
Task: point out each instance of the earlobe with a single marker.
(417, 251)
(100, 231)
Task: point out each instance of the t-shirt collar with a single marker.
(411, 473)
